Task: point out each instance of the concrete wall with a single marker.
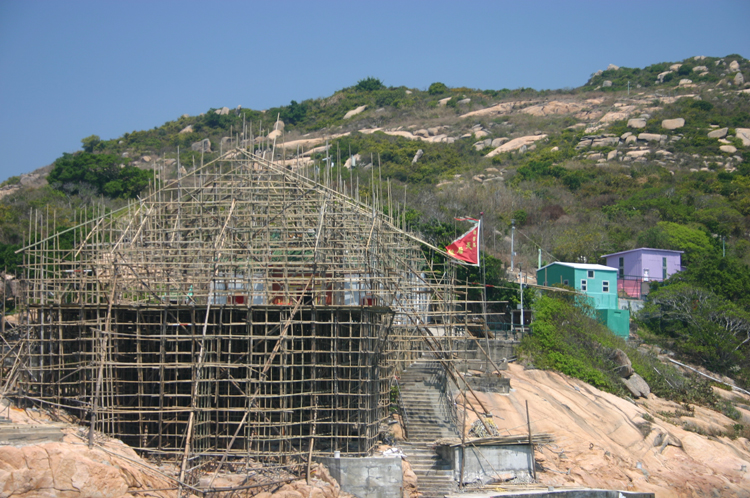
(484, 462)
(367, 477)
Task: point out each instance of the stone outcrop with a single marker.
(187, 129)
(637, 123)
(734, 67)
(202, 146)
(419, 154)
(553, 108)
(637, 386)
(739, 80)
(652, 137)
(516, 144)
(673, 124)
(354, 112)
(731, 149)
(744, 135)
(720, 133)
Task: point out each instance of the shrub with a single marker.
(437, 88)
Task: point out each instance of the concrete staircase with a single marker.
(427, 418)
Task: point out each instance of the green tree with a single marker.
(437, 88)
(90, 143)
(369, 84)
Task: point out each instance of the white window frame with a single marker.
(591, 274)
(605, 285)
(584, 285)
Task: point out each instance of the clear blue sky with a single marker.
(70, 69)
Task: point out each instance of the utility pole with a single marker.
(520, 283)
(512, 240)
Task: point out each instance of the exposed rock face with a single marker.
(739, 80)
(673, 124)
(728, 148)
(223, 111)
(607, 84)
(612, 67)
(744, 135)
(734, 66)
(675, 67)
(553, 107)
(417, 156)
(497, 142)
(444, 102)
(685, 81)
(73, 471)
(187, 129)
(720, 133)
(354, 112)
(700, 69)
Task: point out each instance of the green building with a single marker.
(598, 282)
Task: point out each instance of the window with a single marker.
(591, 273)
(565, 282)
(605, 286)
(583, 284)
(663, 268)
(622, 267)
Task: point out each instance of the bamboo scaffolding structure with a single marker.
(243, 310)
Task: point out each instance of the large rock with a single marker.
(685, 81)
(275, 134)
(605, 142)
(660, 76)
(731, 149)
(637, 123)
(624, 366)
(202, 146)
(739, 80)
(606, 83)
(744, 135)
(612, 67)
(223, 111)
(187, 129)
(673, 124)
(675, 67)
(652, 137)
(417, 156)
(637, 386)
(720, 133)
(516, 144)
(354, 112)
(700, 69)
(497, 142)
(734, 66)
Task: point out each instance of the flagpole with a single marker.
(484, 290)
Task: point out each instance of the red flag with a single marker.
(466, 247)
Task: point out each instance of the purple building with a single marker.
(641, 265)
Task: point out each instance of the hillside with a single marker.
(655, 157)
